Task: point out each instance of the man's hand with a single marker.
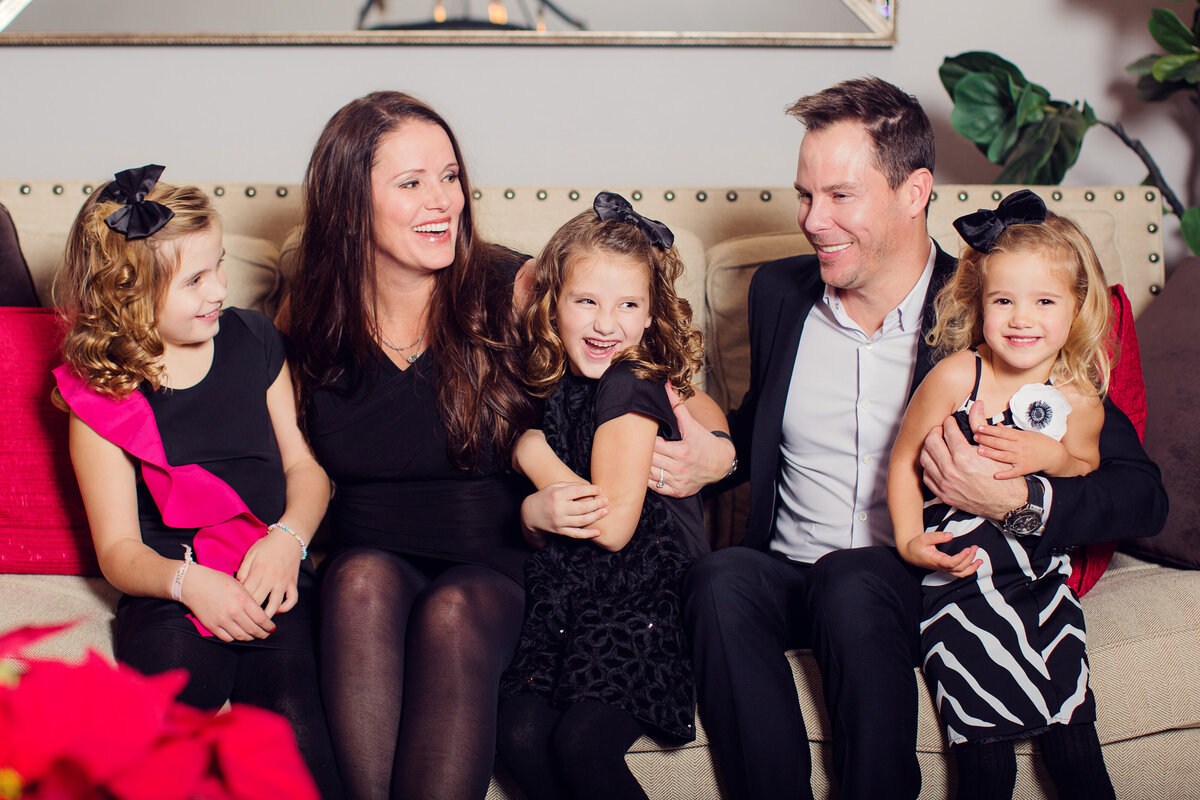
(959, 476)
(680, 469)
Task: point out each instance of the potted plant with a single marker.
(1015, 123)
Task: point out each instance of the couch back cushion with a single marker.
(43, 528)
(16, 284)
(1169, 337)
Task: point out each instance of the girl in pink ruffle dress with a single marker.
(184, 441)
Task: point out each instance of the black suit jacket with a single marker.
(1123, 498)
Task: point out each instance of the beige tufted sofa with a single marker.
(1143, 619)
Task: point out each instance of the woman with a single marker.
(410, 392)
(411, 401)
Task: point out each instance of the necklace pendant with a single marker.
(413, 357)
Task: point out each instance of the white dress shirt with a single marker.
(844, 406)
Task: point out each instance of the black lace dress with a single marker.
(601, 625)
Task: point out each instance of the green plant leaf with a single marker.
(1189, 226)
(1029, 110)
(1003, 140)
(1153, 91)
(1190, 73)
(1143, 65)
(1170, 32)
(981, 106)
(1169, 68)
(1031, 151)
(1046, 150)
(955, 68)
(1073, 127)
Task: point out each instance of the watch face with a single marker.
(1023, 522)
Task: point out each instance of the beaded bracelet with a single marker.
(296, 536)
(177, 584)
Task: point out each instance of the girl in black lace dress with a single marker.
(602, 657)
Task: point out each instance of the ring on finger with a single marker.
(661, 473)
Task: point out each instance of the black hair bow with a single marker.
(138, 217)
(981, 229)
(610, 207)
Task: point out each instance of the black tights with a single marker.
(1071, 754)
(574, 752)
(284, 681)
(410, 672)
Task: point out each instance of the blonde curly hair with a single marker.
(1084, 359)
(670, 350)
(109, 289)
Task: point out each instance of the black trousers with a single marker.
(859, 610)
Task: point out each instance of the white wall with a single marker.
(557, 116)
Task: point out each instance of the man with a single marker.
(837, 348)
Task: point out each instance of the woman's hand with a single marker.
(563, 509)
(270, 569)
(223, 605)
(922, 551)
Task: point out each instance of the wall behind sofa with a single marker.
(553, 116)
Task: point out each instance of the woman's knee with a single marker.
(478, 617)
(368, 581)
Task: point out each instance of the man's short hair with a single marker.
(895, 120)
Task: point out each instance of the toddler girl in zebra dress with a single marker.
(1023, 328)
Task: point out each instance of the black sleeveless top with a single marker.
(380, 438)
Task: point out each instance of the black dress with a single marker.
(606, 625)
(222, 424)
(378, 434)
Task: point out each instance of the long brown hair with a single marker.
(670, 350)
(110, 289)
(334, 315)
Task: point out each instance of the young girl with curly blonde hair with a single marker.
(602, 657)
(1023, 325)
(184, 440)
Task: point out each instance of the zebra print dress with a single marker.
(1004, 650)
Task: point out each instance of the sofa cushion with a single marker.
(43, 528)
(731, 265)
(252, 267)
(1169, 335)
(16, 284)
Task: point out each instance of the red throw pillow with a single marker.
(1128, 393)
(43, 528)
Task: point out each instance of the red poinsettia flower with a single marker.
(256, 754)
(99, 716)
(96, 731)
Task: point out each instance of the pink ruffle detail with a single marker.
(188, 496)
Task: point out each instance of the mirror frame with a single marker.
(881, 33)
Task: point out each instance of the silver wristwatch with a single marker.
(1026, 520)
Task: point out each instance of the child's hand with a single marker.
(269, 571)
(223, 605)
(565, 509)
(1026, 451)
(922, 551)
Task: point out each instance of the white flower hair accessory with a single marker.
(1040, 408)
